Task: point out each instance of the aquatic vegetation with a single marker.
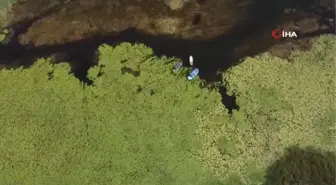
(140, 124)
(281, 104)
(123, 129)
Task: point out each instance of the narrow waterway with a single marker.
(217, 33)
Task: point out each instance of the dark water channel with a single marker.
(245, 38)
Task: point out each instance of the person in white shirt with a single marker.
(191, 60)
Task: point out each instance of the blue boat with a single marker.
(193, 74)
(177, 67)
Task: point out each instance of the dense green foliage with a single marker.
(282, 103)
(140, 124)
(42, 131)
(124, 129)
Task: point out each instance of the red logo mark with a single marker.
(277, 34)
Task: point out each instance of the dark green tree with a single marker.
(300, 166)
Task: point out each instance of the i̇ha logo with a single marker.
(279, 33)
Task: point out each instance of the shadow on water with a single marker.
(210, 56)
(303, 166)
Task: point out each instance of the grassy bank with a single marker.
(5, 5)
